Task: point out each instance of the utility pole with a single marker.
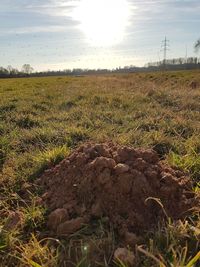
(186, 57)
(165, 48)
(186, 54)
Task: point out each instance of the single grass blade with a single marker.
(194, 260)
(34, 264)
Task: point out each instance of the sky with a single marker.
(67, 34)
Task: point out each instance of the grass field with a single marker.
(43, 119)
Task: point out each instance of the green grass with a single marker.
(43, 119)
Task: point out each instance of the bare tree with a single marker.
(197, 45)
(26, 68)
(10, 69)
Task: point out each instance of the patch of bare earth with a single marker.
(129, 186)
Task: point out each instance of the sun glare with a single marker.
(102, 21)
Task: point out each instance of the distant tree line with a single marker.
(169, 64)
(11, 72)
(176, 63)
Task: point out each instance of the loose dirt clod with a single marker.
(56, 217)
(124, 256)
(129, 186)
(14, 220)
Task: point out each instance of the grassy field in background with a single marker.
(43, 119)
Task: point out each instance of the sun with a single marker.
(102, 21)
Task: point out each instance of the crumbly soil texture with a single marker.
(131, 187)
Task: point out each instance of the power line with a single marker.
(165, 48)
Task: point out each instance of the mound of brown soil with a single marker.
(129, 186)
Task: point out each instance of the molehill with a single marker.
(131, 187)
